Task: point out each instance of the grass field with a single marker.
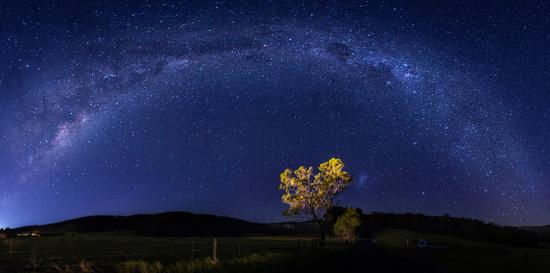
(108, 250)
(124, 253)
(397, 238)
(463, 255)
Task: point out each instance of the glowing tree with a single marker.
(312, 195)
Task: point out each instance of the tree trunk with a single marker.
(322, 232)
(321, 221)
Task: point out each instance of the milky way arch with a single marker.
(411, 124)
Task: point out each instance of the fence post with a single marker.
(192, 250)
(214, 250)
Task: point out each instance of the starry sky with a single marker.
(122, 107)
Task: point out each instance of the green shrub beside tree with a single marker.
(347, 224)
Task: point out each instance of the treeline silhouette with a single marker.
(457, 226)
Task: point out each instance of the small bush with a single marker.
(347, 224)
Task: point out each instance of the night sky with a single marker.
(113, 107)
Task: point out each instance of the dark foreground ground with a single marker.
(388, 253)
(364, 257)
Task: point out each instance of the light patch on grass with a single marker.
(241, 264)
(139, 267)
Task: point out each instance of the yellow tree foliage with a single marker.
(312, 194)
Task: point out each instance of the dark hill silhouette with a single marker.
(163, 224)
(189, 224)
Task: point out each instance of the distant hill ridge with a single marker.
(162, 224)
(201, 225)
